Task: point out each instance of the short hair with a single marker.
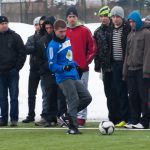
(60, 24)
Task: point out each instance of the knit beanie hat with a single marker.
(3, 19)
(71, 11)
(117, 11)
(36, 20)
(104, 11)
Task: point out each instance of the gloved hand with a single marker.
(68, 67)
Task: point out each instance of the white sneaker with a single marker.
(129, 126)
(138, 126)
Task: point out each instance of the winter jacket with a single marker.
(102, 37)
(82, 45)
(125, 32)
(138, 51)
(42, 45)
(31, 49)
(59, 53)
(12, 51)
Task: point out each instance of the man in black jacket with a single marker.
(12, 58)
(48, 116)
(34, 76)
(102, 61)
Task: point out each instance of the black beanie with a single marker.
(3, 19)
(71, 11)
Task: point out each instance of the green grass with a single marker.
(58, 140)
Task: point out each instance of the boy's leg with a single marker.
(83, 94)
(69, 89)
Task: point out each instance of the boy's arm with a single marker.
(52, 60)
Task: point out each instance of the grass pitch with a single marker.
(56, 139)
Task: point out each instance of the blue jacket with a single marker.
(59, 55)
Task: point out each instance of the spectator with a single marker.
(102, 61)
(83, 50)
(34, 76)
(49, 112)
(120, 31)
(137, 71)
(12, 58)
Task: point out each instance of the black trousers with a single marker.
(112, 101)
(138, 88)
(33, 82)
(50, 87)
(61, 100)
(122, 92)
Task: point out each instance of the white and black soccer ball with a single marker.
(106, 127)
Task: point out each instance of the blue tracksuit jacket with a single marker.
(59, 55)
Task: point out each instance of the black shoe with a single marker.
(28, 120)
(3, 124)
(73, 131)
(14, 124)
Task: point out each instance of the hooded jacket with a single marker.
(42, 54)
(12, 51)
(83, 45)
(138, 47)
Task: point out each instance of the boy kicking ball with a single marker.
(60, 59)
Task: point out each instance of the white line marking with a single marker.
(66, 128)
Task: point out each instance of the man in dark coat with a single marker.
(12, 58)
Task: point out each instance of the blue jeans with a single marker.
(9, 81)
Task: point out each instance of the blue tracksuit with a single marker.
(59, 55)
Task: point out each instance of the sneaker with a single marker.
(73, 131)
(28, 120)
(129, 126)
(61, 123)
(121, 124)
(42, 122)
(81, 122)
(138, 126)
(64, 119)
(14, 124)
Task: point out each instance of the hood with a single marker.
(77, 25)
(136, 17)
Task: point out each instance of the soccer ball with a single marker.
(106, 127)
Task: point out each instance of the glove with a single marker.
(68, 67)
